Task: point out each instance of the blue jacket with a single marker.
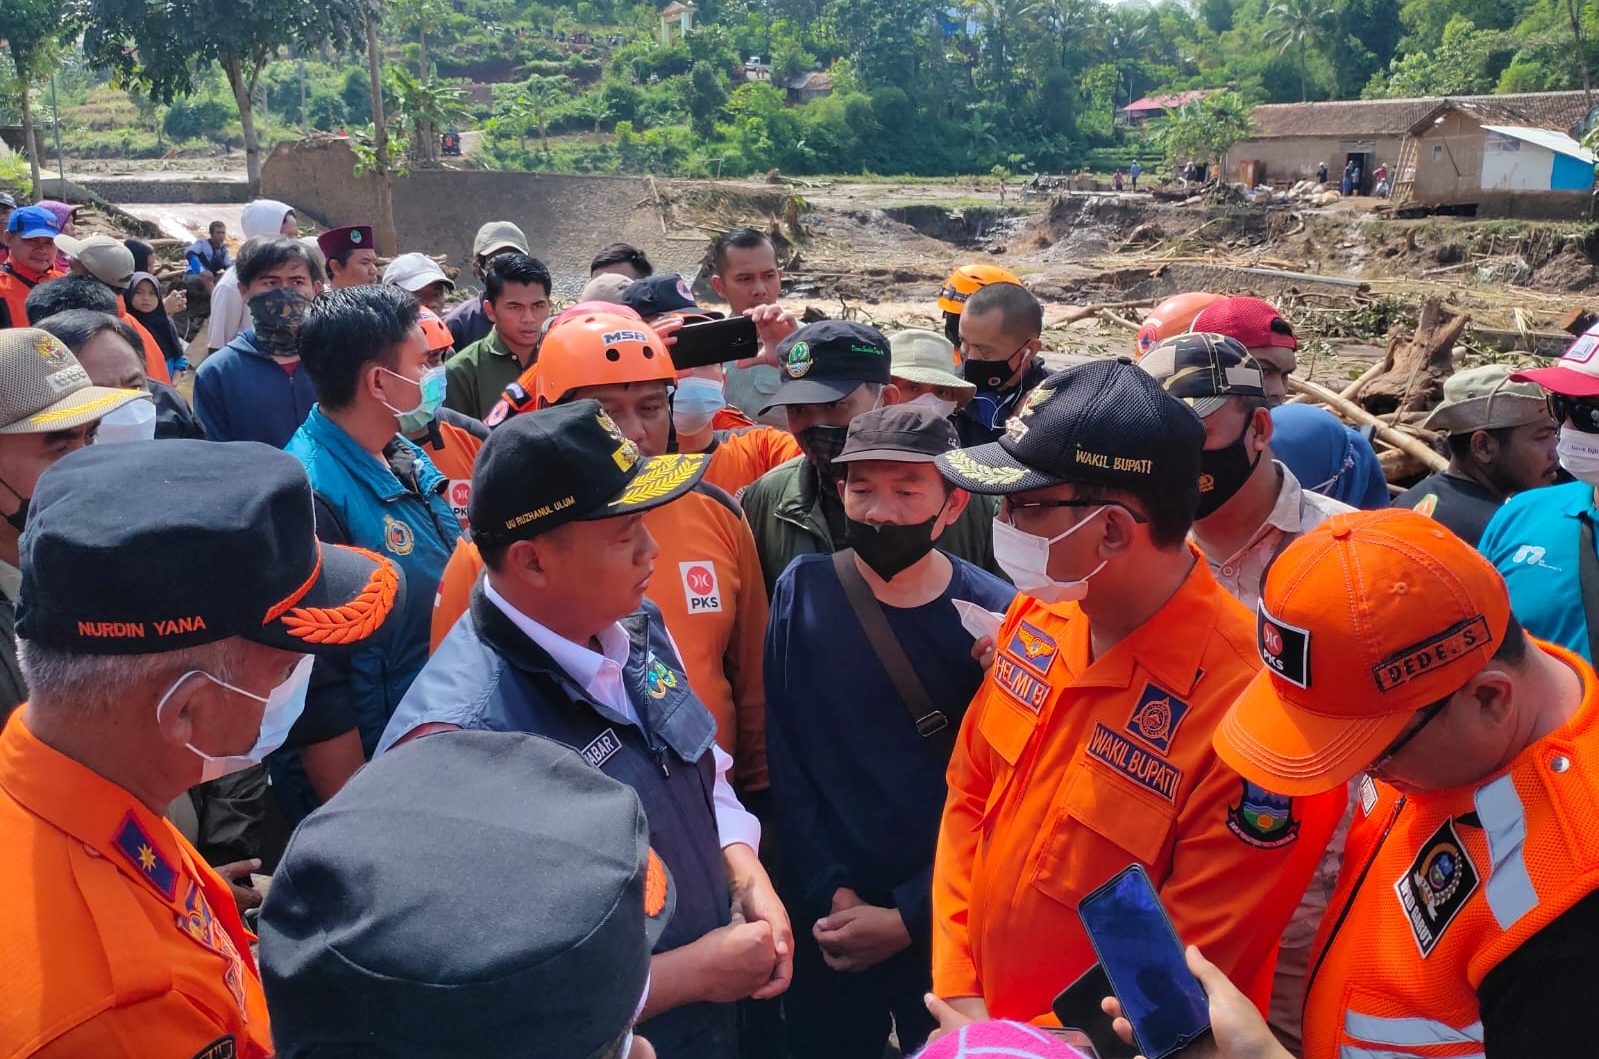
(241, 394)
(488, 675)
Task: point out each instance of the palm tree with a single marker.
(427, 107)
(1126, 36)
(1066, 20)
(1294, 24)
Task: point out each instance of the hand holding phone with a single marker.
(715, 341)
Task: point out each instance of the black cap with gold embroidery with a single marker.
(568, 463)
(155, 546)
(1107, 422)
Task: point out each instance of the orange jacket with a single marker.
(14, 290)
(1429, 910)
(155, 361)
(1068, 769)
(708, 585)
(119, 941)
(454, 459)
(744, 455)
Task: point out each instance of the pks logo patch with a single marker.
(397, 536)
(798, 362)
(600, 751)
(1418, 660)
(1440, 881)
(1033, 648)
(1143, 768)
(1284, 648)
(1156, 717)
(1018, 683)
(459, 494)
(700, 587)
(1263, 819)
(658, 679)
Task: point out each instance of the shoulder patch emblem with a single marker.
(659, 679)
(1032, 647)
(140, 851)
(1263, 819)
(1157, 717)
(397, 536)
(1440, 881)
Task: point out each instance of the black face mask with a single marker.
(990, 375)
(890, 550)
(18, 518)
(1222, 472)
(277, 314)
(821, 443)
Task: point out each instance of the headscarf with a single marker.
(263, 217)
(1328, 457)
(62, 212)
(156, 321)
(142, 253)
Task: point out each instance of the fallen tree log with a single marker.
(1358, 416)
(1412, 373)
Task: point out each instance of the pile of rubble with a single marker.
(1304, 193)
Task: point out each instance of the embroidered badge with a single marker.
(1368, 795)
(1454, 642)
(603, 748)
(197, 921)
(1428, 505)
(459, 494)
(1440, 881)
(1156, 717)
(1033, 648)
(660, 477)
(497, 414)
(221, 1048)
(626, 454)
(798, 361)
(397, 536)
(1284, 648)
(140, 849)
(1263, 819)
(1143, 768)
(700, 589)
(961, 462)
(1018, 683)
(658, 679)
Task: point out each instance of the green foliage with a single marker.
(1203, 130)
(707, 92)
(1465, 62)
(197, 119)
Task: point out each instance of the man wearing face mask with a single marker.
(1543, 540)
(376, 490)
(1000, 331)
(148, 677)
(858, 818)
(253, 389)
(833, 371)
(1251, 506)
(740, 451)
(924, 370)
(108, 350)
(1088, 746)
(49, 407)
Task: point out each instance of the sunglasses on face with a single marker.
(1582, 413)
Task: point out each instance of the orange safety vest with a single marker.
(1438, 889)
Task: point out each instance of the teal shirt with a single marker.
(1535, 542)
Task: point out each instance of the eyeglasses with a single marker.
(1010, 507)
(1582, 413)
(1426, 715)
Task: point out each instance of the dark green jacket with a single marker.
(477, 375)
(786, 516)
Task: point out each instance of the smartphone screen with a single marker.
(1144, 962)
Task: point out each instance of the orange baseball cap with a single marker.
(1363, 621)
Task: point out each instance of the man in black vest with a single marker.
(559, 641)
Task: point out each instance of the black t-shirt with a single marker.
(1538, 1003)
(1463, 506)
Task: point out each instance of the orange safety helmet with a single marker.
(967, 281)
(599, 349)
(435, 332)
(586, 309)
(1174, 316)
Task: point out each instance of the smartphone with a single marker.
(1144, 963)
(715, 341)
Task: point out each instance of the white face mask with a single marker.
(1025, 559)
(134, 421)
(694, 404)
(943, 408)
(284, 704)
(1579, 454)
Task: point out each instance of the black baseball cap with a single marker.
(828, 360)
(901, 433)
(156, 546)
(1108, 423)
(1204, 370)
(657, 295)
(568, 463)
(467, 893)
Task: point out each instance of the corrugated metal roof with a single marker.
(1557, 142)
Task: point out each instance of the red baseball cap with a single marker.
(1577, 373)
(1251, 321)
(1363, 621)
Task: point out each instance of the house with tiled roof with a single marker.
(1139, 111)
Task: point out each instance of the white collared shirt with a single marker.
(1298, 510)
(600, 676)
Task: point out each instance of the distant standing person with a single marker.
(1135, 171)
(468, 322)
(1321, 173)
(1116, 181)
(208, 258)
(1380, 176)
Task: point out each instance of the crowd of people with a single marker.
(472, 680)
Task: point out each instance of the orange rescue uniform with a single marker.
(1438, 889)
(119, 941)
(708, 585)
(744, 455)
(15, 286)
(1069, 768)
(454, 457)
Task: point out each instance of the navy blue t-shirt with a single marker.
(858, 792)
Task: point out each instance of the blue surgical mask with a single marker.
(430, 397)
(695, 403)
(284, 704)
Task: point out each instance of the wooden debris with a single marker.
(1412, 373)
(1577, 320)
(1357, 415)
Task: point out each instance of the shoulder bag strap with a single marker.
(1588, 578)
(929, 719)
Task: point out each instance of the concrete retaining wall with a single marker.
(141, 190)
(566, 218)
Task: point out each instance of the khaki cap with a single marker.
(1487, 398)
(926, 357)
(102, 257)
(498, 235)
(43, 388)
